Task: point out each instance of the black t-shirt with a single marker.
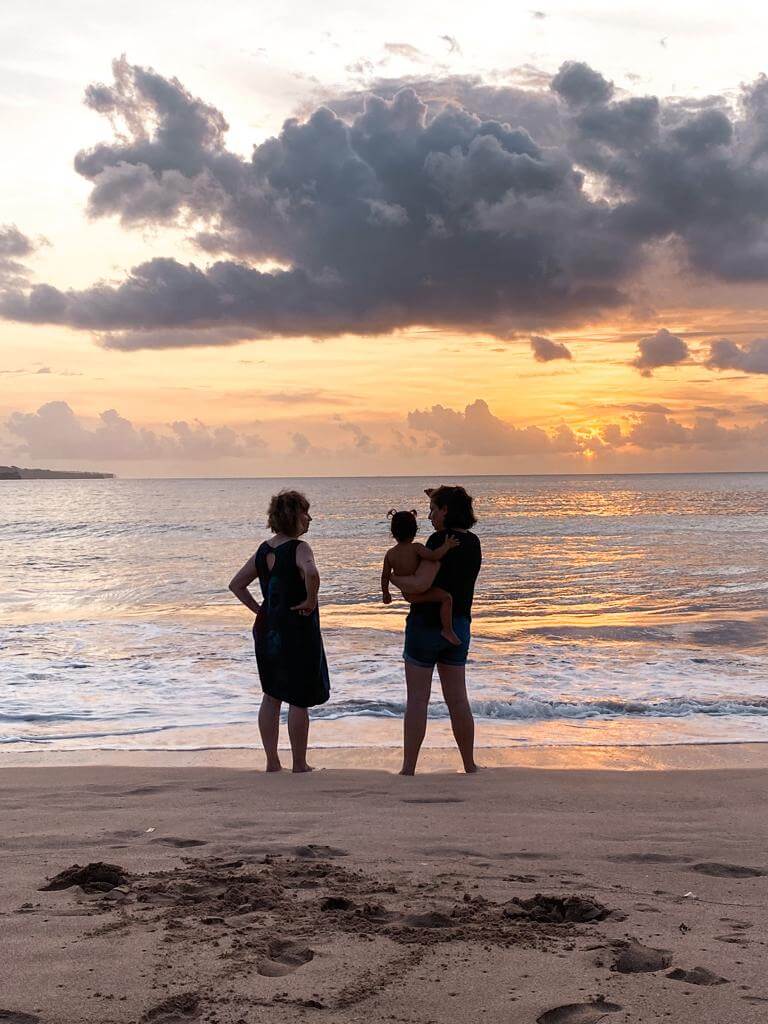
(457, 574)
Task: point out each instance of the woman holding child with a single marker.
(427, 642)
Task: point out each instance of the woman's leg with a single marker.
(453, 682)
(298, 733)
(418, 682)
(269, 727)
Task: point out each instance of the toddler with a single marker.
(409, 559)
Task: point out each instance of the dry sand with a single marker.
(356, 895)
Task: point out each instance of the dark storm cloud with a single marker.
(660, 349)
(580, 86)
(480, 209)
(545, 350)
(751, 357)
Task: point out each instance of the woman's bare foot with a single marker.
(273, 766)
(407, 771)
(450, 636)
(472, 768)
(298, 769)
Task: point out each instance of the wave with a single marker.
(525, 708)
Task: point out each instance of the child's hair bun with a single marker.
(403, 524)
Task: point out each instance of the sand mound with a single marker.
(557, 909)
(98, 877)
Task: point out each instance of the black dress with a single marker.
(289, 647)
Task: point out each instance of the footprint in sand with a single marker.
(284, 957)
(727, 870)
(182, 844)
(173, 1010)
(314, 851)
(635, 958)
(579, 1013)
(698, 976)
(14, 1017)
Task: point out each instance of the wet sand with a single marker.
(350, 894)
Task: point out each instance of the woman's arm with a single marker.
(305, 563)
(239, 585)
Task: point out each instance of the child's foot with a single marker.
(273, 766)
(450, 636)
(298, 769)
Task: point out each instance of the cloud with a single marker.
(56, 432)
(300, 444)
(307, 396)
(452, 43)
(453, 204)
(476, 431)
(545, 350)
(653, 430)
(404, 50)
(751, 357)
(361, 441)
(14, 247)
(660, 349)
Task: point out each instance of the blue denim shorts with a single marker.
(424, 646)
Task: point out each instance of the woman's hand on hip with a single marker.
(306, 607)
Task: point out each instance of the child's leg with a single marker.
(436, 595)
(446, 616)
(298, 733)
(420, 581)
(269, 727)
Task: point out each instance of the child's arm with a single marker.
(434, 555)
(386, 573)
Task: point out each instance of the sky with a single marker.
(339, 240)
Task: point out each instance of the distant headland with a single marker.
(17, 473)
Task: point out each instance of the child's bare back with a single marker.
(421, 564)
(406, 559)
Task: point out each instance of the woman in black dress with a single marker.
(289, 648)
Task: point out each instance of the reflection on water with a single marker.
(611, 609)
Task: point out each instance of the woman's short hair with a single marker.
(458, 505)
(284, 511)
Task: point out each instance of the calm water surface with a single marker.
(609, 610)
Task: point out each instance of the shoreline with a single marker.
(600, 757)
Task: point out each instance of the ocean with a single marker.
(614, 610)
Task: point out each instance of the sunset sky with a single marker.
(322, 239)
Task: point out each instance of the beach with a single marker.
(559, 894)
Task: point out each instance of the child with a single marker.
(409, 559)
